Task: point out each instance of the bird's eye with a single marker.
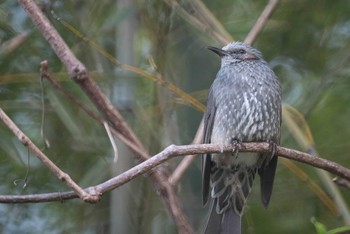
(238, 51)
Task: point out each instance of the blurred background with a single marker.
(307, 43)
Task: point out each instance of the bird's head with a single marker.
(236, 52)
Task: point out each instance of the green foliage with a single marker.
(321, 228)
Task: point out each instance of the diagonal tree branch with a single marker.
(44, 73)
(76, 70)
(79, 74)
(261, 22)
(46, 161)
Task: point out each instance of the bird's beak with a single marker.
(217, 51)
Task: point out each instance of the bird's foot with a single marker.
(236, 145)
(273, 148)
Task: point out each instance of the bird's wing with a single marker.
(267, 173)
(209, 117)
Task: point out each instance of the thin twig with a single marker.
(188, 99)
(46, 161)
(261, 22)
(46, 74)
(174, 151)
(46, 142)
(207, 16)
(314, 187)
(196, 22)
(342, 182)
(77, 71)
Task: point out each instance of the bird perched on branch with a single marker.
(244, 105)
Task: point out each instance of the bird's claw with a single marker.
(273, 148)
(236, 145)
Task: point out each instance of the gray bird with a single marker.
(244, 105)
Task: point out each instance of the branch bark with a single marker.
(79, 74)
(342, 182)
(261, 22)
(175, 151)
(46, 161)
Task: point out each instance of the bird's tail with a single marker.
(227, 223)
(230, 189)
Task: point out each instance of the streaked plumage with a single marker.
(244, 105)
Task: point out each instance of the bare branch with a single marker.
(180, 170)
(261, 22)
(46, 161)
(203, 26)
(44, 73)
(47, 75)
(342, 182)
(174, 151)
(76, 69)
